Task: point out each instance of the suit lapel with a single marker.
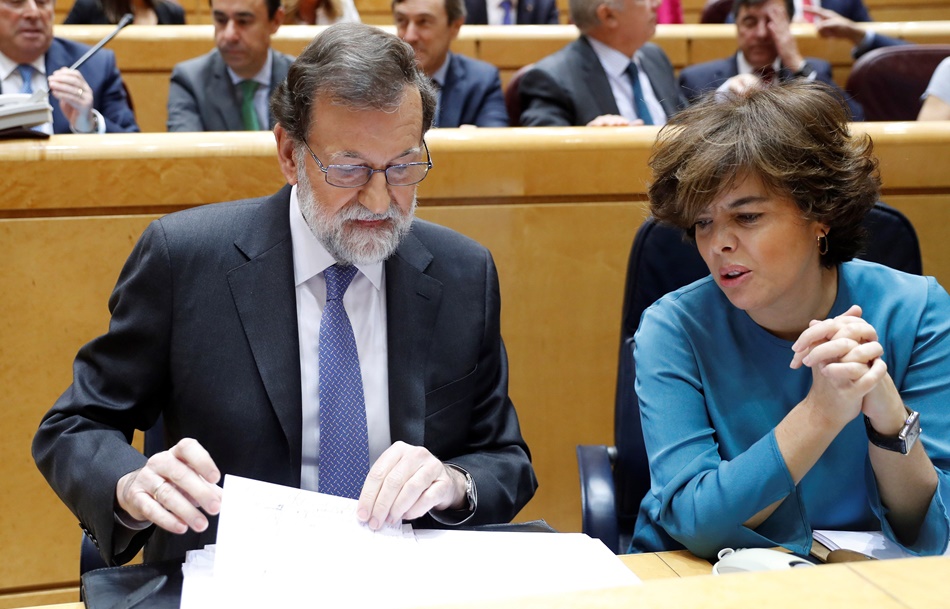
(412, 304)
(221, 95)
(450, 109)
(56, 58)
(593, 77)
(664, 86)
(265, 298)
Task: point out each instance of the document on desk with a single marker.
(871, 543)
(284, 547)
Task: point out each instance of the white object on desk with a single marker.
(756, 559)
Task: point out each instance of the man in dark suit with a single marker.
(767, 52)
(228, 88)
(283, 336)
(469, 90)
(511, 12)
(91, 99)
(855, 10)
(610, 76)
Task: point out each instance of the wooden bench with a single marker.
(549, 203)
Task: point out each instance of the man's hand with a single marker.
(780, 28)
(171, 487)
(613, 120)
(405, 483)
(75, 98)
(832, 25)
(740, 84)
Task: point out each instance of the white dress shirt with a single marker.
(496, 14)
(365, 304)
(615, 65)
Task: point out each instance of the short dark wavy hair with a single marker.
(354, 65)
(794, 137)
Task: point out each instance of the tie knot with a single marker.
(767, 73)
(248, 87)
(338, 280)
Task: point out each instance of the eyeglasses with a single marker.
(354, 176)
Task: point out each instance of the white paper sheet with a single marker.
(284, 547)
(872, 543)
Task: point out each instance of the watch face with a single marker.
(910, 432)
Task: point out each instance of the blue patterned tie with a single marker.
(506, 18)
(344, 447)
(26, 73)
(639, 103)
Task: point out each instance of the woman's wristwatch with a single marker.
(905, 438)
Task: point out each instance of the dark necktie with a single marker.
(767, 74)
(506, 6)
(344, 445)
(26, 73)
(639, 103)
(248, 112)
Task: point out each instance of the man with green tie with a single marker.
(228, 89)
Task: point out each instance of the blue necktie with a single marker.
(639, 103)
(26, 73)
(506, 6)
(344, 447)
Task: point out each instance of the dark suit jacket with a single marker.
(528, 12)
(570, 87)
(91, 12)
(102, 75)
(204, 331)
(471, 95)
(202, 97)
(702, 78)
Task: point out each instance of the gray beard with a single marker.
(345, 242)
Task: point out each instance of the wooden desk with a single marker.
(913, 583)
(546, 202)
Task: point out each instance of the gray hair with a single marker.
(584, 12)
(355, 65)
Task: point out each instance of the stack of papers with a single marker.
(20, 111)
(284, 547)
(871, 543)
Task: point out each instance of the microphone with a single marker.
(126, 19)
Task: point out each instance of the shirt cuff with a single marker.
(99, 122)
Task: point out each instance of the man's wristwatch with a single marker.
(905, 438)
(471, 495)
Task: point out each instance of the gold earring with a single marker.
(823, 244)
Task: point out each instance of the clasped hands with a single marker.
(848, 375)
(177, 487)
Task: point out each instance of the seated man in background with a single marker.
(320, 338)
(767, 51)
(468, 90)
(511, 12)
(320, 12)
(804, 11)
(832, 25)
(610, 76)
(91, 99)
(228, 89)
